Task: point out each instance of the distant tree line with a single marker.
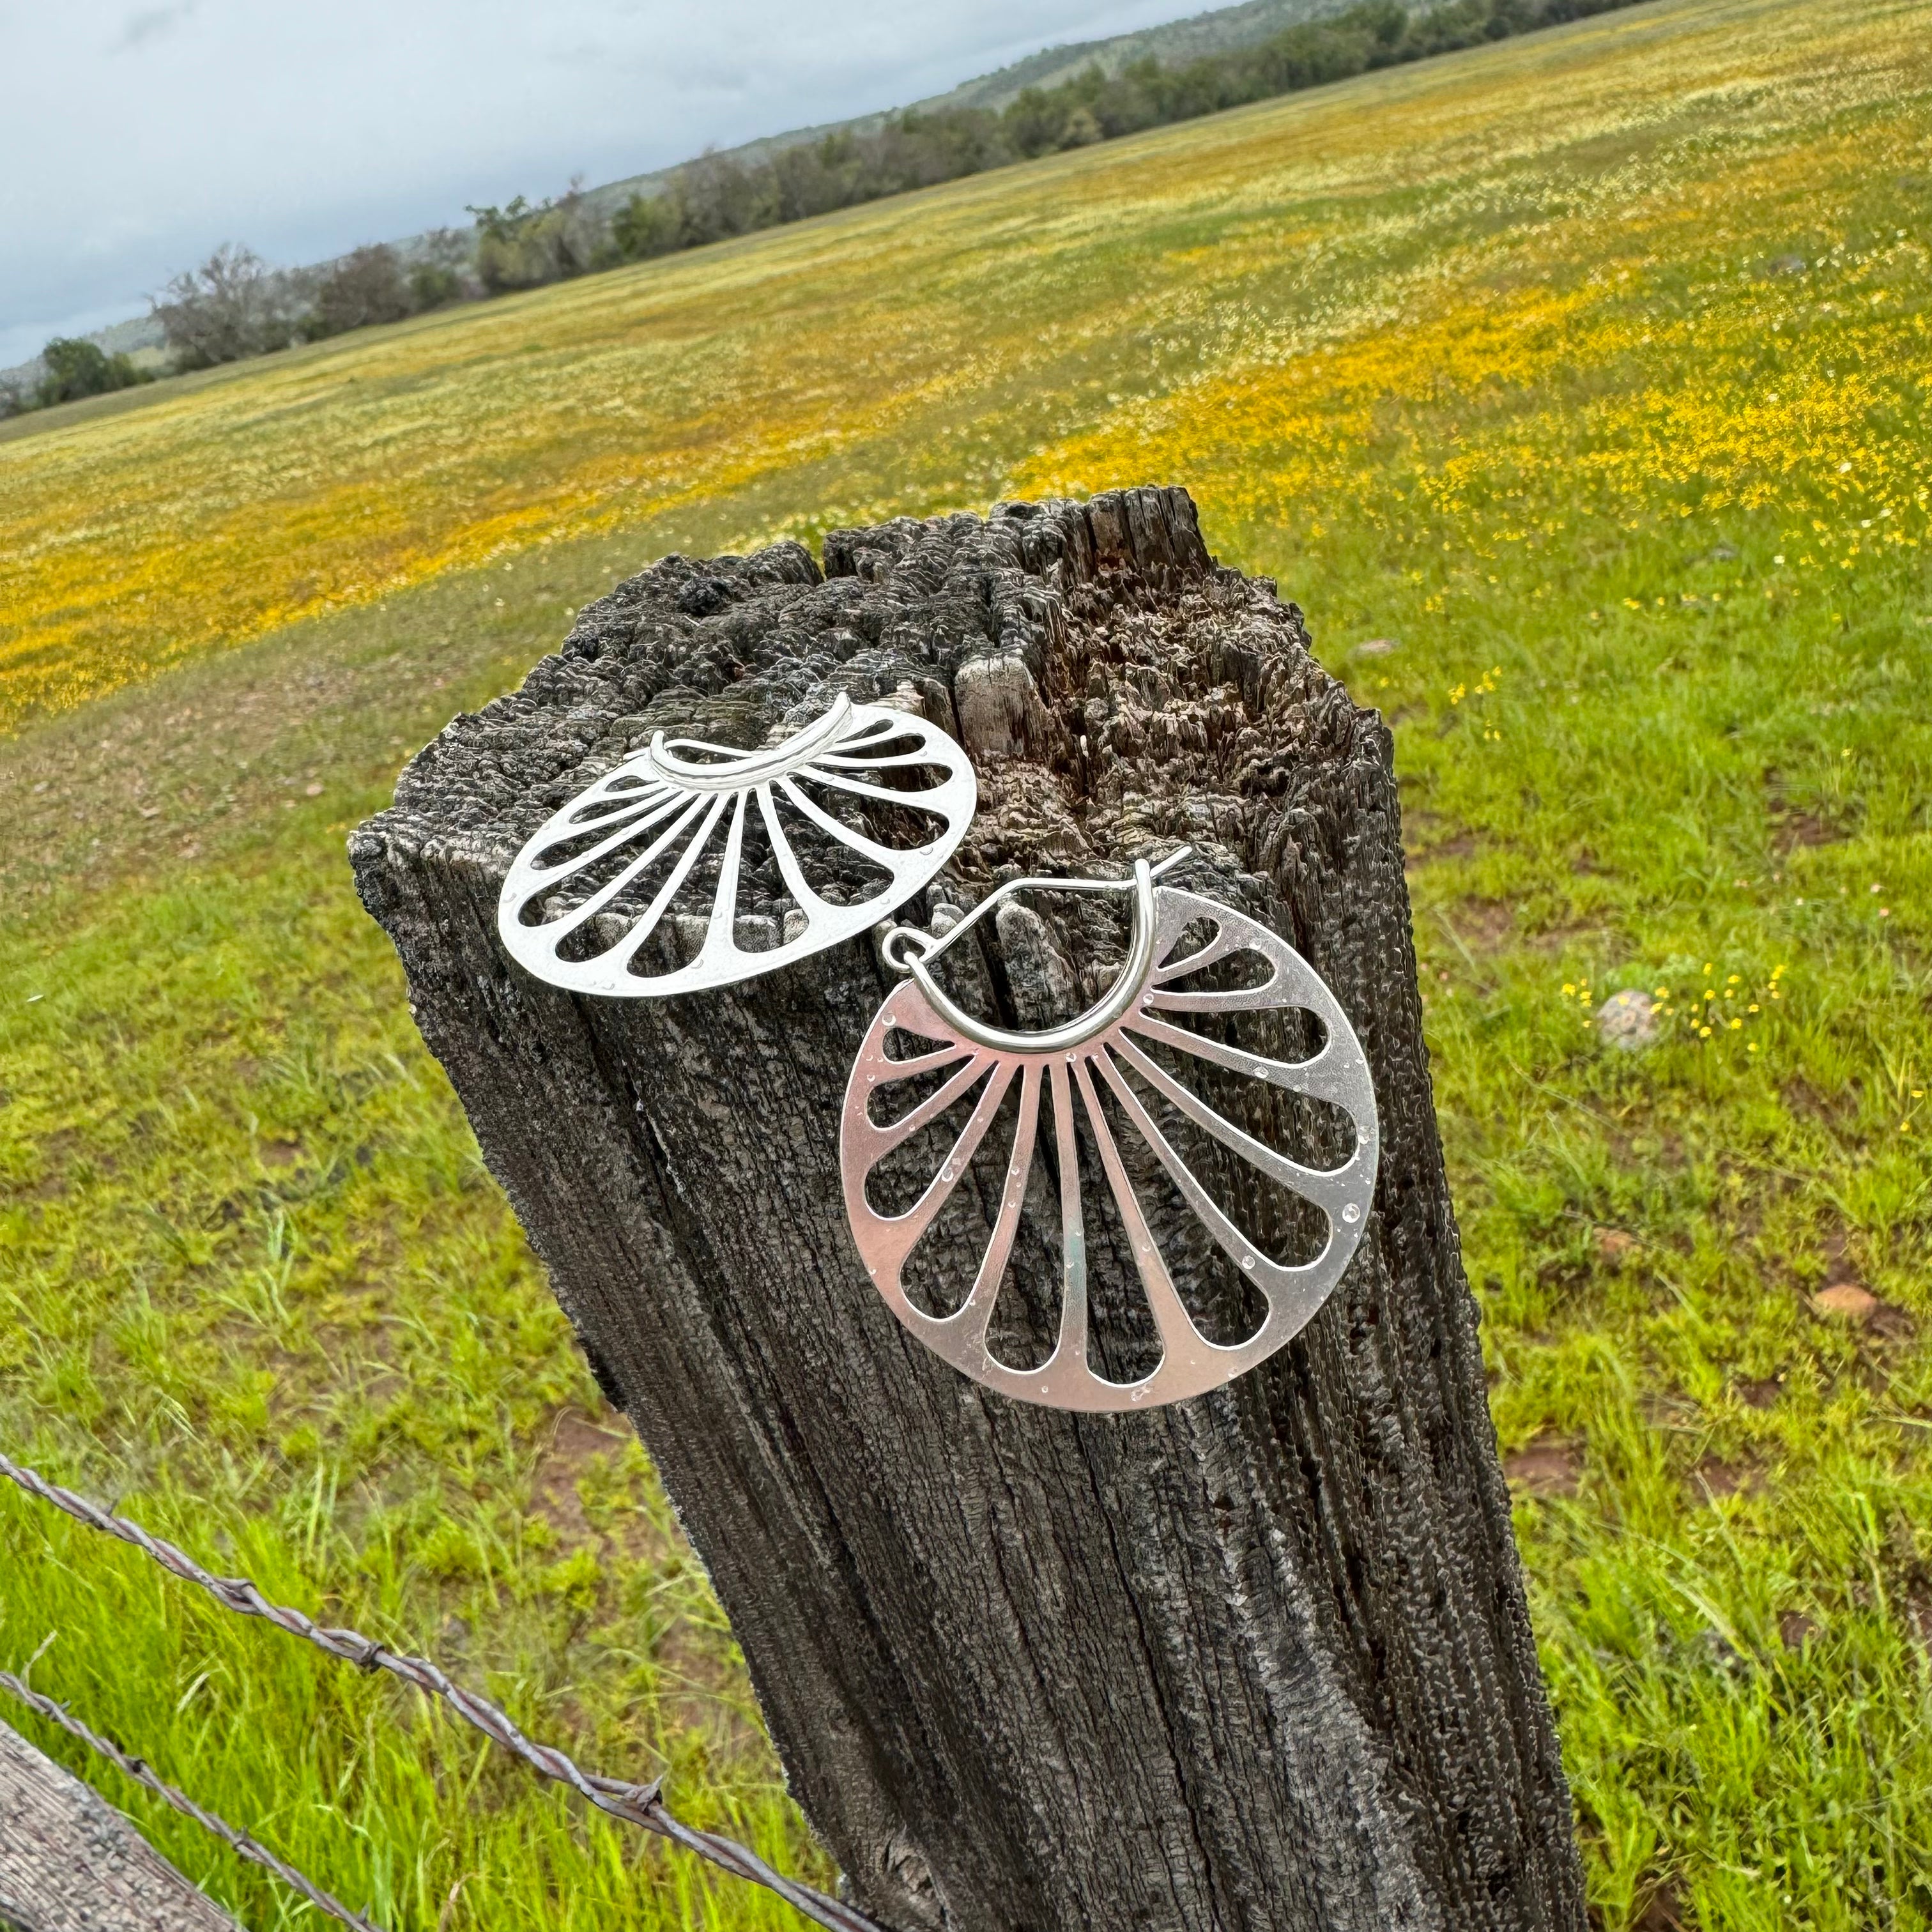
(235, 305)
(717, 197)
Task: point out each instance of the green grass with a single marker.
(1658, 704)
(1735, 1606)
(256, 1252)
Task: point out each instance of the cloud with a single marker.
(164, 127)
(151, 23)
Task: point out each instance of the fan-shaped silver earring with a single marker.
(587, 895)
(1093, 1053)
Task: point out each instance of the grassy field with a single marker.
(1593, 370)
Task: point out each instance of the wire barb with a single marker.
(639, 1804)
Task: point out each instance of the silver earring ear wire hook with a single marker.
(1097, 1019)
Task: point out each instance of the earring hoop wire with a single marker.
(1075, 1033)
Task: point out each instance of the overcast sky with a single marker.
(135, 137)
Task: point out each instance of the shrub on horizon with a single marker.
(77, 367)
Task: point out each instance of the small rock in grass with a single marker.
(1615, 1246)
(1625, 1020)
(1376, 647)
(1848, 1301)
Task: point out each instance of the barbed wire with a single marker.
(640, 1804)
(250, 1848)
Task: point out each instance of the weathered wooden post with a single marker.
(67, 1862)
(1260, 1659)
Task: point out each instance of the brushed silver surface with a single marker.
(1070, 1064)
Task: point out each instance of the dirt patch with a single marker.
(1805, 1102)
(1460, 845)
(1762, 1394)
(1891, 1324)
(1918, 1611)
(577, 1440)
(1838, 1254)
(1793, 831)
(57, 1150)
(1546, 1467)
(1664, 1911)
(1713, 1479)
(1795, 1629)
(1483, 925)
(697, 1685)
(577, 1444)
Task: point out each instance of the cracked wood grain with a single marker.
(70, 1863)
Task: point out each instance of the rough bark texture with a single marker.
(1258, 1660)
(68, 1863)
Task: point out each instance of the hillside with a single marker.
(1220, 30)
(1576, 387)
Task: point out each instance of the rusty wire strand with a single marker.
(640, 1804)
(132, 1767)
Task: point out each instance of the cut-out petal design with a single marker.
(649, 823)
(1074, 1074)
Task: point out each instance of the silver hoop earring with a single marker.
(1105, 1044)
(587, 893)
